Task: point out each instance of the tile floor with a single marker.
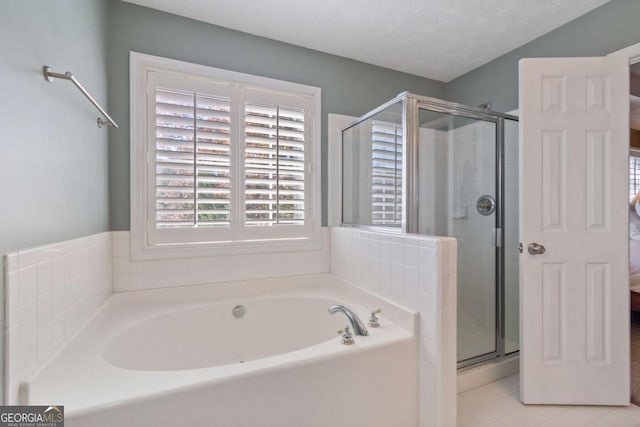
(497, 405)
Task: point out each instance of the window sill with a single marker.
(141, 251)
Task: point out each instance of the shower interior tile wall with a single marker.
(473, 174)
(457, 166)
(50, 293)
(433, 166)
(420, 273)
(131, 275)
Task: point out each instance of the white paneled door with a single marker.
(574, 287)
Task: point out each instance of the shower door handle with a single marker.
(536, 249)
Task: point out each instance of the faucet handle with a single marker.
(347, 336)
(373, 320)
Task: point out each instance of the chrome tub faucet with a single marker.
(356, 323)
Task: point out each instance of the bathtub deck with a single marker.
(80, 378)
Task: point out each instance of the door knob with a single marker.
(535, 249)
(486, 205)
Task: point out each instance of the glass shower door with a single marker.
(457, 198)
(372, 182)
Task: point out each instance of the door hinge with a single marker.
(498, 237)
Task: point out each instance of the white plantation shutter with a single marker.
(386, 173)
(192, 141)
(226, 162)
(634, 174)
(274, 165)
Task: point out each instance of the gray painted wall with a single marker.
(53, 157)
(606, 29)
(348, 87)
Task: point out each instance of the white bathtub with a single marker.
(179, 357)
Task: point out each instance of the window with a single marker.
(386, 173)
(274, 165)
(191, 145)
(221, 161)
(634, 173)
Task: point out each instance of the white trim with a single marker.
(137, 100)
(268, 240)
(150, 61)
(337, 122)
(632, 52)
(477, 376)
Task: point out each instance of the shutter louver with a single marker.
(386, 174)
(634, 176)
(274, 165)
(192, 159)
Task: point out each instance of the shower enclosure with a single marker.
(423, 165)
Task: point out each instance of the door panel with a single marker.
(573, 201)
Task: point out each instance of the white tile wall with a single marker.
(457, 166)
(420, 273)
(50, 292)
(135, 275)
(472, 174)
(433, 176)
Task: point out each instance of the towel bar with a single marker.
(50, 75)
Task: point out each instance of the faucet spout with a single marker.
(356, 323)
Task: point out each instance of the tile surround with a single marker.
(129, 275)
(420, 273)
(50, 292)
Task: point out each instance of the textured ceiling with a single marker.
(439, 39)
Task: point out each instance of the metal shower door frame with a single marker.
(411, 106)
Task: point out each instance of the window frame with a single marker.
(282, 238)
(633, 153)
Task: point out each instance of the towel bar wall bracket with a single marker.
(50, 75)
